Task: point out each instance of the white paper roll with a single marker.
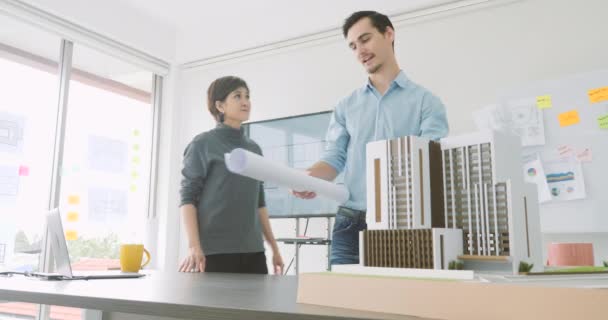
(249, 164)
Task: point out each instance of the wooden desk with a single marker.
(174, 295)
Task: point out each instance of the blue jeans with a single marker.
(345, 236)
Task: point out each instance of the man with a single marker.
(388, 106)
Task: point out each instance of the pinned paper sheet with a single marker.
(565, 179)
(544, 102)
(24, 171)
(584, 155)
(72, 216)
(251, 165)
(569, 118)
(598, 95)
(565, 151)
(73, 199)
(71, 235)
(603, 121)
(534, 173)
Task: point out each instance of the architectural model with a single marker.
(423, 196)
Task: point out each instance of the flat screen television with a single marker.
(297, 142)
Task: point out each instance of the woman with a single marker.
(224, 214)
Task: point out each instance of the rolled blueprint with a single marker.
(249, 164)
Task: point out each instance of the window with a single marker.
(28, 112)
(106, 154)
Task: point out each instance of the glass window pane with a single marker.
(107, 156)
(28, 112)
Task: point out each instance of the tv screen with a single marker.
(297, 142)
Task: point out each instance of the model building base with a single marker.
(404, 272)
(441, 299)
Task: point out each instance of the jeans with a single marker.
(345, 236)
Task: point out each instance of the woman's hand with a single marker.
(277, 262)
(194, 262)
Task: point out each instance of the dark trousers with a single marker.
(254, 262)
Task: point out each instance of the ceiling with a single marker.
(209, 28)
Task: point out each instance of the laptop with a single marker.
(59, 250)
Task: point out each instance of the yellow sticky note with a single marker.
(73, 199)
(568, 118)
(135, 160)
(71, 235)
(72, 216)
(544, 102)
(136, 132)
(603, 121)
(136, 147)
(133, 188)
(598, 95)
(134, 174)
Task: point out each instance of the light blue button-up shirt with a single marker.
(406, 109)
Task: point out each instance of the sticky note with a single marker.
(568, 118)
(603, 121)
(136, 147)
(544, 102)
(71, 235)
(24, 171)
(133, 188)
(136, 132)
(584, 155)
(135, 160)
(73, 199)
(72, 216)
(598, 95)
(134, 174)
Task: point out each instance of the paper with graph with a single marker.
(251, 165)
(565, 179)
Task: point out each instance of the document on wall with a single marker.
(9, 181)
(524, 119)
(565, 179)
(535, 173)
(251, 165)
(521, 117)
(11, 132)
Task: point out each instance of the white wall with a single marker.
(465, 58)
(116, 20)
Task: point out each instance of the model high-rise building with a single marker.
(471, 183)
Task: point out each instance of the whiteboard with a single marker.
(572, 93)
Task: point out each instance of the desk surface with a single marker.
(182, 295)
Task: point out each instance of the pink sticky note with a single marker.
(24, 171)
(584, 155)
(565, 151)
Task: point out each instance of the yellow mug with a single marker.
(131, 256)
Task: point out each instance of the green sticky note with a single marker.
(136, 132)
(136, 147)
(603, 121)
(544, 102)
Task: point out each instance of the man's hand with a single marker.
(194, 262)
(304, 194)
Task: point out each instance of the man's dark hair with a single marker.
(379, 21)
(219, 90)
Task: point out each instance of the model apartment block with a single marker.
(423, 195)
